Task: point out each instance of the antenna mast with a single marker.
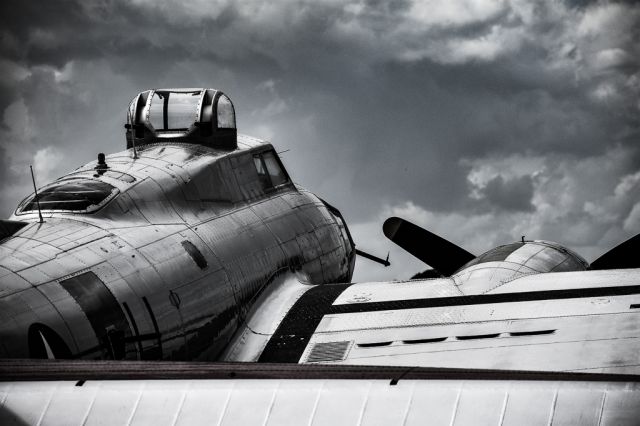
(33, 179)
(133, 134)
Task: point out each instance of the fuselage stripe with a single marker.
(484, 299)
(292, 335)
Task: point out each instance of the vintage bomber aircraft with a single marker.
(508, 309)
(157, 252)
(530, 305)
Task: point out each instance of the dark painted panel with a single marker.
(102, 310)
(292, 335)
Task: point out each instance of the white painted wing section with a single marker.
(397, 290)
(600, 334)
(447, 287)
(320, 402)
(571, 280)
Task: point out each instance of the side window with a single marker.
(274, 169)
(262, 172)
(270, 171)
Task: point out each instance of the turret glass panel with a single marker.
(175, 111)
(226, 114)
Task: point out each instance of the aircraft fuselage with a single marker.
(167, 264)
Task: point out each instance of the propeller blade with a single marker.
(435, 251)
(622, 256)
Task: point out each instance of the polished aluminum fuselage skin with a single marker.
(172, 263)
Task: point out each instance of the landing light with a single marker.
(201, 116)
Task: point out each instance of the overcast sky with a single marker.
(479, 120)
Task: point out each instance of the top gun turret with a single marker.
(200, 116)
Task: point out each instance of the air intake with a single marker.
(329, 351)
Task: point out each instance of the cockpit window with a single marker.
(173, 110)
(270, 170)
(121, 176)
(276, 172)
(262, 172)
(77, 195)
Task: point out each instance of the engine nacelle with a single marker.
(508, 262)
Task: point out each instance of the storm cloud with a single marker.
(480, 120)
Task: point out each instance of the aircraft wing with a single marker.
(178, 393)
(569, 321)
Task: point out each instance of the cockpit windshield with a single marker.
(76, 195)
(171, 110)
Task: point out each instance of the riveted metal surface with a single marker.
(81, 337)
(26, 306)
(135, 245)
(387, 291)
(15, 282)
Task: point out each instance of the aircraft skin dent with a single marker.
(168, 265)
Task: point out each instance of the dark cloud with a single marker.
(510, 195)
(464, 113)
